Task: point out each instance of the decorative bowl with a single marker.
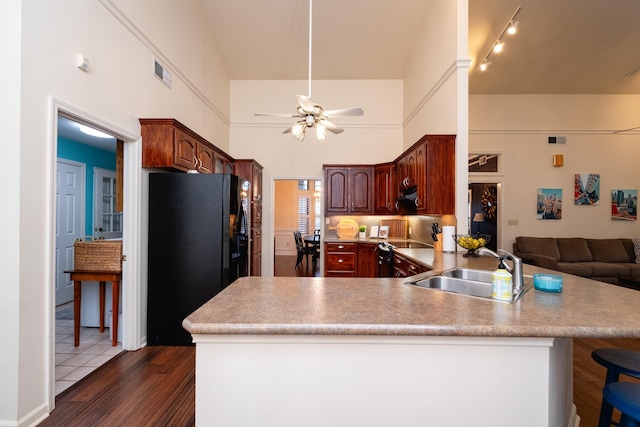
(471, 242)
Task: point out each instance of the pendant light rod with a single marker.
(310, 38)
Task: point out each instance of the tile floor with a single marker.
(74, 363)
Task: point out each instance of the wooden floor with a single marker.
(285, 266)
(155, 386)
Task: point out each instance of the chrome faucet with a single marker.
(515, 270)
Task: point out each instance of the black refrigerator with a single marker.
(197, 247)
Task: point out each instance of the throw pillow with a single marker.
(636, 248)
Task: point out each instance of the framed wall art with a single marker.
(586, 189)
(549, 204)
(624, 205)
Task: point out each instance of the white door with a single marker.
(70, 211)
(107, 222)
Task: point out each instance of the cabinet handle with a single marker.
(340, 260)
(195, 162)
(397, 208)
(340, 247)
(416, 201)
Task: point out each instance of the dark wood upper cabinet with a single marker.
(168, 144)
(428, 166)
(385, 191)
(349, 189)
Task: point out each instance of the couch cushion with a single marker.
(609, 269)
(636, 249)
(574, 250)
(575, 268)
(539, 245)
(634, 270)
(608, 250)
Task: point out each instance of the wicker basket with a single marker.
(98, 255)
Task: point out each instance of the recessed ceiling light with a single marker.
(94, 132)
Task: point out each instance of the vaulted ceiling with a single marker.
(562, 46)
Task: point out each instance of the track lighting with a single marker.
(511, 28)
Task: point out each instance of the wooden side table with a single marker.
(102, 277)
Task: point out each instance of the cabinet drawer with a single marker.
(341, 247)
(342, 262)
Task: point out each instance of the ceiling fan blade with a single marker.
(288, 115)
(331, 126)
(355, 111)
(306, 104)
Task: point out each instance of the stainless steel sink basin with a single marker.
(469, 274)
(459, 286)
(463, 281)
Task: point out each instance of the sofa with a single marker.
(615, 261)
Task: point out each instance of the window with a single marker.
(309, 205)
(303, 215)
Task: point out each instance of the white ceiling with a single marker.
(563, 46)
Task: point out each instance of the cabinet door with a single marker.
(336, 190)
(205, 159)
(441, 176)
(367, 260)
(360, 184)
(184, 150)
(257, 183)
(384, 189)
(421, 176)
(256, 252)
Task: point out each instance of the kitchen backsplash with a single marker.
(420, 225)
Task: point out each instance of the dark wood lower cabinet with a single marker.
(402, 267)
(340, 259)
(367, 261)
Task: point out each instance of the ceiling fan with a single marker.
(312, 115)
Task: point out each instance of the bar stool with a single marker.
(625, 397)
(617, 362)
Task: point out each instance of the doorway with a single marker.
(131, 295)
(297, 208)
(483, 211)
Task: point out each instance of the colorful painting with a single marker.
(549, 203)
(624, 205)
(586, 189)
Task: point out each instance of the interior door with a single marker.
(70, 184)
(107, 221)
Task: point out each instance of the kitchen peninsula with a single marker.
(376, 352)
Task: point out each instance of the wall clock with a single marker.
(489, 202)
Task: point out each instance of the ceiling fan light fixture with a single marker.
(310, 120)
(298, 130)
(321, 131)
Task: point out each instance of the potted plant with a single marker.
(363, 231)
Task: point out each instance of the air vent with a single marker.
(557, 140)
(161, 72)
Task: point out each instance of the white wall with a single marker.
(10, 34)
(518, 126)
(373, 138)
(39, 63)
(436, 86)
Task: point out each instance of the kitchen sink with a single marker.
(459, 286)
(463, 281)
(469, 274)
